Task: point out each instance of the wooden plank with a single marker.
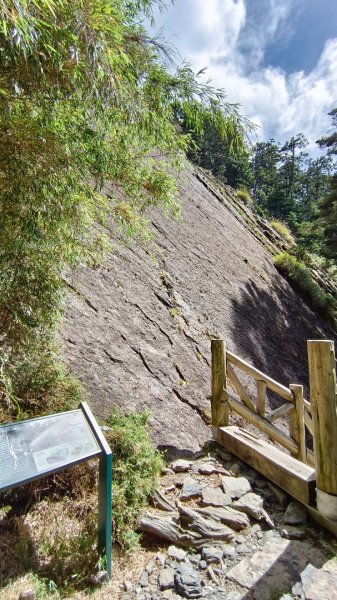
(256, 374)
(219, 404)
(238, 387)
(261, 398)
(293, 476)
(297, 428)
(308, 422)
(307, 405)
(280, 412)
(310, 458)
(275, 434)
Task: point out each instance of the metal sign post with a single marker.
(36, 448)
(104, 490)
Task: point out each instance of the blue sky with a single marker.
(277, 58)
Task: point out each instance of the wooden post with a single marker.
(261, 398)
(219, 404)
(297, 429)
(322, 376)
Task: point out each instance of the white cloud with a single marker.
(231, 41)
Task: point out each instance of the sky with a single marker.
(276, 58)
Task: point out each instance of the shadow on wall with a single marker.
(271, 329)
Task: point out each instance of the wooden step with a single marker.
(295, 477)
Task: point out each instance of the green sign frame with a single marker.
(34, 446)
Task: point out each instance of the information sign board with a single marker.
(38, 447)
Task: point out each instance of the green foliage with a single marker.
(219, 146)
(328, 221)
(36, 383)
(86, 105)
(330, 141)
(244, 195)
(289, 186)
(136, 468)
(327, 209)
(299, 275)
(283, 230)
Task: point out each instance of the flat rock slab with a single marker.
(191, 489)
(177, 554)
(123, 342)
(214, 497)
(295, 514)
(320, 584)
(188, 582)
(208, 468)
(251, 504)
(227, 515)
(235, 487)
(166, 579)
(275, 568)
(292, 533)
(181, 466)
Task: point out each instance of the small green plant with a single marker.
(299, 275)
(136, 469)
(283, 230)
(244, 195)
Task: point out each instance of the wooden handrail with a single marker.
(308, 423)
(280, 412)
(276, 434)
(297, 429)
(307, 405)
(238, 387)
(259, 376)
(297, 408)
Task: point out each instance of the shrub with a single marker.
(299, 275)
(57, 537)
(36, 383)
(283, 230)
(136, 468)
(244, 195)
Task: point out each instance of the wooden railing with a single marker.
(253, 409)
(318, 417)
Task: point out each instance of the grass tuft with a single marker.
(244, 195)
(283, 230)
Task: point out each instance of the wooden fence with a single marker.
(317, 417)
(253, 410)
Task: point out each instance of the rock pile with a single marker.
(231, 535)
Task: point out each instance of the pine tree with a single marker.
(328, 206)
